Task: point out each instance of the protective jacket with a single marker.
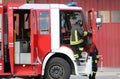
(77, 35)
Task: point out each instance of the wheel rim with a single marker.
(56, 72)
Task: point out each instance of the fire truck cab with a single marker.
(35, 41)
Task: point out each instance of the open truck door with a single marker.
(1, 41)
(33, 35)
(23, 49)
(5, 66)
(92, 46)
(92, 24)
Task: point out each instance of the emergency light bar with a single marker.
(72, 4)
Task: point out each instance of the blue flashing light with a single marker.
(72, 4)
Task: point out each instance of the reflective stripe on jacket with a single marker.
(77, 34)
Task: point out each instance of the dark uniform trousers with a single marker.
(76, 50)
(95, 59)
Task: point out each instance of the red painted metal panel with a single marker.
(2, 43)
(32, 26)
(115, 5)
(41, 1)
(27, 70)
(11, 39)
(5, 1)
(18, 1)
(13, 1)
(108, 44)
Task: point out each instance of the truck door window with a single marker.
(44, 23)
(67, 20)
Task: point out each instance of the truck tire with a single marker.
(57, 68)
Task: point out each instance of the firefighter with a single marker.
(77, 39)
(95, 58)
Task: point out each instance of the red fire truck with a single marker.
(35, 41)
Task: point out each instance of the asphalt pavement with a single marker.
(104, 73)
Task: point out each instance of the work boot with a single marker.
(90, 77)
(93, 76)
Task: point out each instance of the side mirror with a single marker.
(98, 22)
